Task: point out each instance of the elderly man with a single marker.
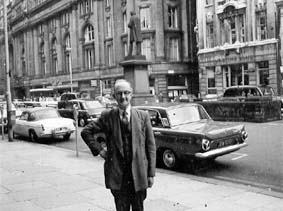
(129, 150)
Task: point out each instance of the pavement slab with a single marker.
(41, 177)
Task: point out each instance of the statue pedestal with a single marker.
(135, 71)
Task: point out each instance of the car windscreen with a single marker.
(92, 104)
(186, 114)
(46, 114)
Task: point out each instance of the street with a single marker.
(260, 164)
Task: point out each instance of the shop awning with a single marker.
(41, 90)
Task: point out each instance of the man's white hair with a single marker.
(120, 82)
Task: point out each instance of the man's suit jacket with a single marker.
(143, 147)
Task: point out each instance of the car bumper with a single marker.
(221, 151)
(56, 134)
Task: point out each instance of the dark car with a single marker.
(185, 132)
(249, 91)
(88, 110)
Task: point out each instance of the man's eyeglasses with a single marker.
(120, 93)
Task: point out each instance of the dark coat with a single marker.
(143, 147)
(135, 29)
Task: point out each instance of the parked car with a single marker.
(249, 91)
(43, 122)
(88, 110)
(185, 132)
(106, 101)
(3, 106)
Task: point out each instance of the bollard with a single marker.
(2, 122)
(76, 113)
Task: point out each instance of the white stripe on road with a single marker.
(239, 155)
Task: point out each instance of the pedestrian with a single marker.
(135, 33)
(129, 150)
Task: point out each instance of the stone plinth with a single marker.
(135, 71)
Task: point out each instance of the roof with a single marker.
(38, 109)
(167, 105)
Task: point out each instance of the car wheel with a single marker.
(32, 136)
(169, 159)
(66, 137)
(81, 122)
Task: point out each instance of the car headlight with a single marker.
(205, 144)
(244, 135)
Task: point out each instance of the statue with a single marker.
(135, 33)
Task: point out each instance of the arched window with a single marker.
(54, 56)
(88, 47)
(23, 62)
(67, 57)
(89, 34)
(42, 59)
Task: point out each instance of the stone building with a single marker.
(77, 45)
(238, 44)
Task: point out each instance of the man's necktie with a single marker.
(125, 118)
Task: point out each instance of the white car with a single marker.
(3, 105)
(43, 122)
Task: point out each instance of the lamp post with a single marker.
(8, 75)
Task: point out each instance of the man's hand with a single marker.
(150, 181)
(103, 152)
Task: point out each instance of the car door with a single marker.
(20, 125)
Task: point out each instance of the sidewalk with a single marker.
(35, 177)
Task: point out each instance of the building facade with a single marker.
(238, 44)
(279, 35)
(64, 45)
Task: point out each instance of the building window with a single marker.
(68, 48)
(65, 19)
(109, 54)
(208, 2)
(108, 27)
(211, 88)
(234, 75)
(242, 28)
(23, 62)
(177, 85)
(125, 24)
(232, 23)
(145, 17)
(54, 56)
(209, 35)
(146, 49)
(89, 49)
(86, 7)
(107, 3)
(174, 49)
(125, 46)
(89, 56)
(52, 25)
(263, 71)
(261, 25)
(89, 34)
(106, 84)
(172, 17)
(40, 30)
(42, 60)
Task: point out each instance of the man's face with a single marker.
(123, 95)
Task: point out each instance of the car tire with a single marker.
(67, 136)
(169, 159)
(32, 136)
(82, 122)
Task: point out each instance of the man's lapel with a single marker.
(117, 130)
(135, 126)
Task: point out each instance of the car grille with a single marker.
(219, 143)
